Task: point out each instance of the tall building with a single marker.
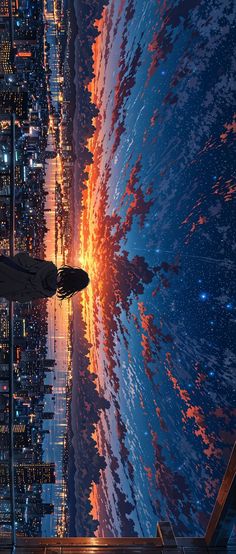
(35, 473)
(4, 328)
(4, 8)
(6, 56)
(5, 176)
(17, 428)
(29, 474)
(5, 179)
(21, 437)
(14, 101)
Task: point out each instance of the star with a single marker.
(203, 296)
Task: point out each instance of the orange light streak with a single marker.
(24, 54)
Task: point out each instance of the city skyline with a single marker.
(116, 125)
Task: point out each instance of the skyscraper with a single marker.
(4, 8)
(14, 101)
(5, 176)
(21, 437)
(29, 474)
(6, 56)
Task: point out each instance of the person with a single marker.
(24, 278)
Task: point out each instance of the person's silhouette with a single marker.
(24, 278)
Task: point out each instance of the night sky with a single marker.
(157, 236)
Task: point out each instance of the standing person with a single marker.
(23, 278)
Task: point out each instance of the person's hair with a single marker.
(72, 280)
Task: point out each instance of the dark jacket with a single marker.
(23, 278)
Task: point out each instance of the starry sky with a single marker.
(158, 239)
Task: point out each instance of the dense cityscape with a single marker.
(106, 171)
(37, 105)
(25, 92)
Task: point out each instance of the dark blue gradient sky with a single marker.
(163, 244)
